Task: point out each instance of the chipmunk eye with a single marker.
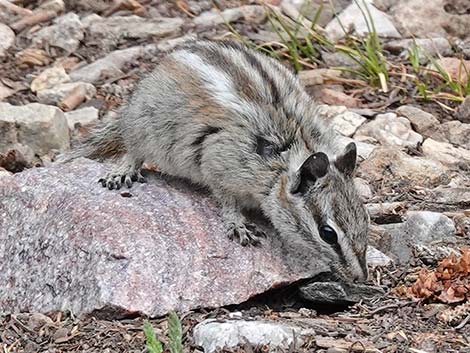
(328, 234)
(264, 148)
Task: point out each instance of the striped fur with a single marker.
(202, 114)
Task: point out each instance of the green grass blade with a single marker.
(316, 17)
(152, 343)
(175, 334)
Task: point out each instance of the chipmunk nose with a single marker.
(361, 275)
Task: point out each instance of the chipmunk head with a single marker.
(317, 207)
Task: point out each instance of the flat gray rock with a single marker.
(338, 293)
(68, 243)
(421, 228)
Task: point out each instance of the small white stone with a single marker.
(53, 5)
(251, 13)
(389, 129)
(49, 78)
(133, 26)
(456, 133)
(423, 122)
(7, 38)
(353, 16)
(348, 122)
(212, 335)
(55, 94)
(113, 62)
(66, 33)
(445, 153)
(376, 257)
(41, 127)
(363, 188)
(316, 77)
(82, 117)
(5, 173)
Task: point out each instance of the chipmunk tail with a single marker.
(104, 142)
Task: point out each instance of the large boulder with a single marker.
(68, 243)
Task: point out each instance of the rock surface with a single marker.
(110, 64)
(251, 13)
(7, 38)
(427, 47)
(446, 153)
(213, 335)
(49, 78)
(420, 228)
(66, 33)
(463, 112)
(389, 165)
(338, 293)
(5, 91)
(81, 117)
(347, 123)
(413, 19)
(423, 122)
(353, 16)
(377, 258)
(55, 94)
(456, 133)
(391, 130)
(41, 127)
(134, 27)
(68, 243)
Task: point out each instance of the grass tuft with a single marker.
(153, 345)
(301, 42)
(175, 336)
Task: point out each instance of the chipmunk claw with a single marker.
(115, 181)
(245, 234)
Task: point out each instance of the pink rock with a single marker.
(333, 97)
(68, 243)
(456, 68)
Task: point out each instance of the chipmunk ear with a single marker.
(346, 163)
(316, 166)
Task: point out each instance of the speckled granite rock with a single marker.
(67, 243)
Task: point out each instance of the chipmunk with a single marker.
(239, 123)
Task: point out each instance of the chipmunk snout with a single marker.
(360, 274)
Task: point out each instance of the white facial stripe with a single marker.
(217, 83)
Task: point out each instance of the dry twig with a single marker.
(33, 19)
(15, 8)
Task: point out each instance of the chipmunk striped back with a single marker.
(238, 122)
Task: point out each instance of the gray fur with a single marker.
(201, 115)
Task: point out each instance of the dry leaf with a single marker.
(448, 283)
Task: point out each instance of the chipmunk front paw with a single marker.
(244, 233)
(115, 181)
